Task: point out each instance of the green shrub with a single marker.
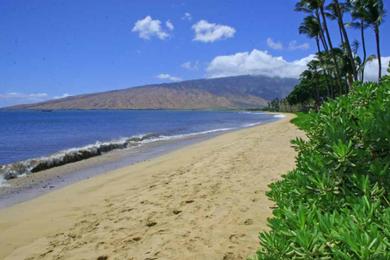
(302, 120)
(336, 203)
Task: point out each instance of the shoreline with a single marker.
(33, 185)
(205, 200)
(28, 186)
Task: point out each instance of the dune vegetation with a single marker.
(335, 204)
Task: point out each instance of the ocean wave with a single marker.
(279, 116)
(180, 136)
(22, 168)
(13, 170)
(252, 112)
(3, 181)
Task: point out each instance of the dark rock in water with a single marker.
(67, 157)
(111, 146)
(10, 175)
(149, 136)
(13, 170)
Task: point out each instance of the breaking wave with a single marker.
(17, 169)
(22, 168)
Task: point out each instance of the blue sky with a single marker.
(50, 48)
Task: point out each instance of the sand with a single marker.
(204, 201)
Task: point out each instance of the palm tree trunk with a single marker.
(326, 28)
(364, 47)
(338, 77)
(317, 89)
(341, 37)
(318, 44)
(322, 35)
(378, 50)
(346, 39)
(323, 41)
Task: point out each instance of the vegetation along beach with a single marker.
(195, 129)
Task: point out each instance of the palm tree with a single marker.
(312, 28)
(317, 8)
(373, 13)
(310, 7)
(313, 67)
(332, 15)
(339, 13)
(388, 68)
(358, 15)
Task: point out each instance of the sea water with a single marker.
(56, 137)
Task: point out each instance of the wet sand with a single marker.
(35, 184)
(204, 201)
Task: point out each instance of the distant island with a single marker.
(217, 93)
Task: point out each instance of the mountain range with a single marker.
(217, 93)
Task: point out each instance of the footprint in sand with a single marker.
(248, 221)
(229, 256)
(176, 211)
(150, 223)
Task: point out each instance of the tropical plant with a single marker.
(336, 203)
(347, 66)
(312, 28)
(374, 13)
(358, 15)
(317, 9)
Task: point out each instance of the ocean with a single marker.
(58, 137)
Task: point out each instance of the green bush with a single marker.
(336, 203)
(302, 121)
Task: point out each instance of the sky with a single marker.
(55, 48)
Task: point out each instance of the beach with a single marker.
(204, 201)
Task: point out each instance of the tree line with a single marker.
(339, 62)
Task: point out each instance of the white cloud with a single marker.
(273, 44)
(165, 76)
(148, 28)
(15, 98)
(371, 69)
(18, 95)
(190, 65)
(62, 96)
(293, 45)
(256, 62)
(210, 32)
(169, 25)
(187, 16)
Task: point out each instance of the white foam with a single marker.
(21, 168)
(3, 182)
(279, 116)
(174, 137)
(252, 112)
(252, 124)
(91, 150)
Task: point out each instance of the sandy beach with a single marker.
(204, 201)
